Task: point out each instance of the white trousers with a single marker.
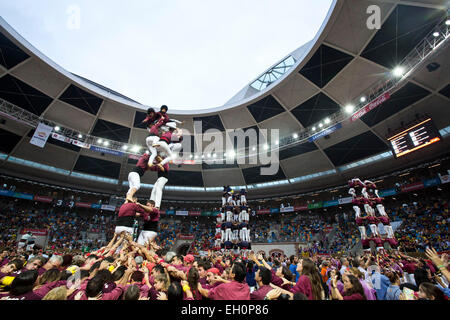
(236, 217)
(235, 235)
(390, 231)
(224, 201)
(150, 140)
(362, 229)
(357, 211)
(119, 229)
(381, 210)
(367, 208)
(374, 229)
(229, 216)
(163, 146)
(247, 232)
(223, 236)
(228, 234)
(243, 199)
(158, 190)
(134, 181)
(146, 236)
(175, 147)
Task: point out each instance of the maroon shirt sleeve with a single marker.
(113, 295)
(355, 296)
(303, 285)
(42, 291)
(276, 280)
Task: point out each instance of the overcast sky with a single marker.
(187, 54)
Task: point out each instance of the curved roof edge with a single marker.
(301, 54)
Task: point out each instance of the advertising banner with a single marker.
(325, 132)
(388, 192)
(195, 213)
(274, 210)
(170, 212)
(96, 206)
(35, 232)
(108, 207)
(445, 178)
(345, 200)
(263, 211)
(61, 138)
(300, 208)
(372, 105)
(287, 209)
(41, 135)
(181, 213)
(83, 205)
(412, 187)
(330, 203)
(104, 150)
(43, 199)
(315, 205)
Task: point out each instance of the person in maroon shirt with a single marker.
(151, 223)
(152, 116)
(309, 282)
(353, 289)
(236, 289)
(263, 277)
(127, 213)
(135, 175)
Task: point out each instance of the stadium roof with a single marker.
(336, 68)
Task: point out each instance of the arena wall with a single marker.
(287, 248)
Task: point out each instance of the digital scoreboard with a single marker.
(417, 137)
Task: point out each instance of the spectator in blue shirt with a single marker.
(293, 267)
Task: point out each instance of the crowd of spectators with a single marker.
(126, 270)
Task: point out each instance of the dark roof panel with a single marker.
(10, 54)
(81, 99)
(324, 65)
(265, 108)
(22, 95)
(356, 148)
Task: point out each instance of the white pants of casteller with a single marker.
(374, 229)
(119, 229)
(224, 201)
(217, 243)
(150, 141)
(236, 217)
(357, 211)
(381, 210)
(134, 181)
(247, 233)
(222, 216)
(243, 199)
(175, 147)
(228, 234)
(235, 235)
(223, 235)
(246, 216)
(158, 190)
(243, 234)
(367, 208)
(229, 216)
(146, 236)
(362, 229)
(390, 231)
(217, 230)
(163, 146)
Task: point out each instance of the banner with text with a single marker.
(375, 103)
(41, 135)
(325, 132)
